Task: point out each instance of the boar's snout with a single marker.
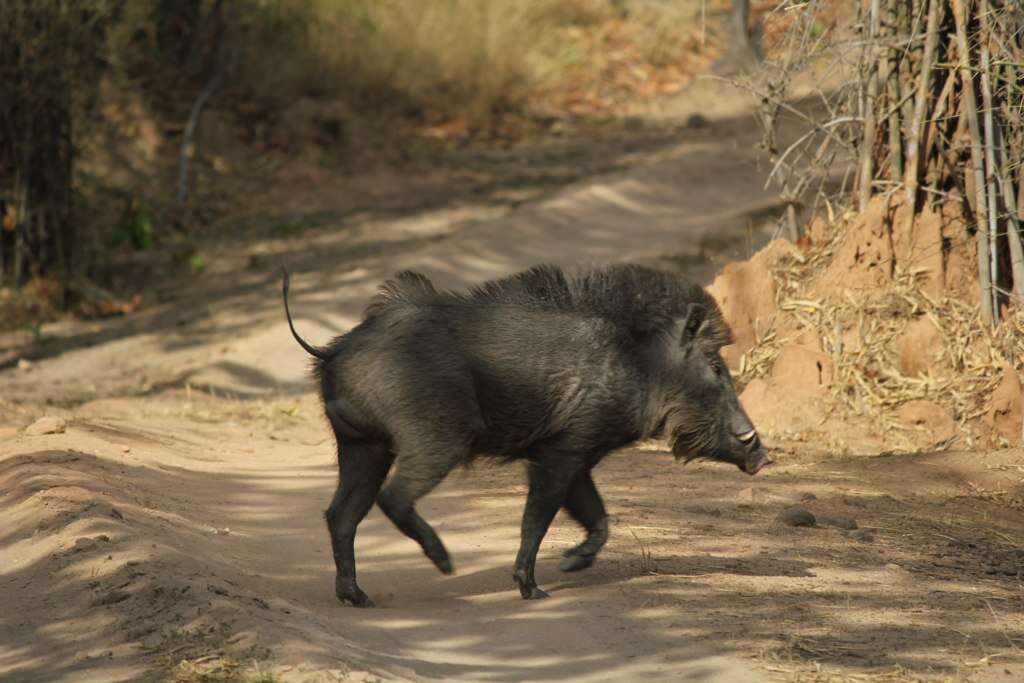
(755, 461)
(753, 456)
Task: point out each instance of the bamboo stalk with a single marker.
(921, 99)
(990, 161)
(969, 105)
(1020, 193)
(890, 63)
(939, 112)
(909, 62)
(870, 105)
(1013, 219)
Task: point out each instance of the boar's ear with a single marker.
(688, 327)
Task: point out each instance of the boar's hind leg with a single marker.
(414, 478)
(362, 466)
(551, 477)
(585, 505)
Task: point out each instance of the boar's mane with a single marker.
(641, 300)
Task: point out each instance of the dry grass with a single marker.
(471, 59)
(481, 54)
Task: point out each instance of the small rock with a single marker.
(892, 566)
(797, 516)
(864, 536)
(808, 497)
(697, 121)
(47, 425)
(840, 522)
(218, 590)
(116, 514)
(111, 598)
(633, 123)
(84, 543)
(138, 633)
(126, 449)
(152, 641)
(24, 364)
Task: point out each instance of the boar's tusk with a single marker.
(749, 436)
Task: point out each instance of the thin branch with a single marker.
(784, 105)
(212, 86)
(940, 109)
(803, 138)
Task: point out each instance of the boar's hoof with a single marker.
(351, 594)
(534, 593)
(574, 562)
(442, 562)
(528, 588)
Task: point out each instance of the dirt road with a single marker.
(174, 529)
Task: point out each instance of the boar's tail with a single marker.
(310, 349)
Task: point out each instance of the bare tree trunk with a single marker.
(744, 49)
(740, 22)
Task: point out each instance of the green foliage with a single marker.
(36, 330)
(135, 227)
(287, 229)
(196, 263)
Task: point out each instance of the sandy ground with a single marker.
(174, 530)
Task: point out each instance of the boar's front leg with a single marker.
(551, 475)
(584, 504)
(416, 475)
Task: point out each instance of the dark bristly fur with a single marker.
(553, 368)
(639, 299)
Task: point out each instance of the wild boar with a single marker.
(553, 368)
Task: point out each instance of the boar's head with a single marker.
(703, 415)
